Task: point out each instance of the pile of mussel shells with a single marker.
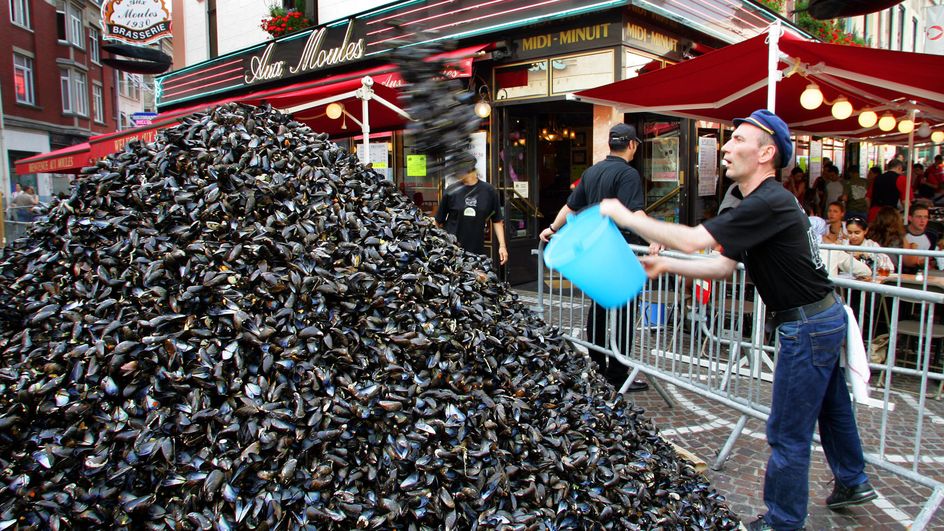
(239, 327)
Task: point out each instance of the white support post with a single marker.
(910, 162)
(773, 58)
(365, 97)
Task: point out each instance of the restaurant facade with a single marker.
(524, 61)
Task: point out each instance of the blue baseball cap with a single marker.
(771, 124)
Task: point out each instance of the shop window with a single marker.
(570, 74)
(661, 165)
(525, 80)
(23, 79)
(419, 183)
(19, 13)
(515, 177)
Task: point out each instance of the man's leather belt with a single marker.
(808, 310)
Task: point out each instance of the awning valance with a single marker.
(104, 145)
(66, 160)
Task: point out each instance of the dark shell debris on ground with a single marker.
(239, 327)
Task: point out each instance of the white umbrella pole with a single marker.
(368, 82)
(773, 59)
(910, 162)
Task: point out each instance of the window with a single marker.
(901, 27)
(19, 12)
(65, 84)
(61, 26)
(123, 121)
(76, 27)
(866, 29)
(914, 34)
(74, 86)
(131, 85)
(94, 51)
(23, 79)
(98, 104)
(80, 86)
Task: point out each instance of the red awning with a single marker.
(732, 82)
(104, 145)
(66, 160)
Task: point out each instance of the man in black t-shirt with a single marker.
(885, 191)
(611, 177)
(467, 206)
(770, 233)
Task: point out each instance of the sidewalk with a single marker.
(702, 426)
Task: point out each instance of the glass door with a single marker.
(517, 183)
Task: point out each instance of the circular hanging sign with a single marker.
(136, 22)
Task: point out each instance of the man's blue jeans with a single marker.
(809, 385)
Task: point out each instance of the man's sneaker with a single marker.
(845, 496)
(759, 525)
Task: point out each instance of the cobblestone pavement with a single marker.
(702, 426)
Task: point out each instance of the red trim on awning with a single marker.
(66, 160)
(104, 145)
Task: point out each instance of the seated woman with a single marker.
(836, 232)
(888, 230)
(858, 231)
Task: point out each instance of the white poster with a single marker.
(137, 22)
(664, 163)
(707, 165)
(816, 160)
(934, 29)
(479, 149)
(379, 158)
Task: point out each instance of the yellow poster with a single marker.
(416, 165)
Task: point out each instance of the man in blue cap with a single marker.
(771, 234)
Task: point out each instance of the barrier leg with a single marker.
(729, 444)
(927, 512)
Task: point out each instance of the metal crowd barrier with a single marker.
(709, 338)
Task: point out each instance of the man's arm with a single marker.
(498, 228)
(681, 237)
(558, 222)
(716, 267)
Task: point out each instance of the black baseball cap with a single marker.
(624, 133)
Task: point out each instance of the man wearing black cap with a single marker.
(466, 207)
(770, 233)
(611, 177)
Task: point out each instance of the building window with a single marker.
(23, 79)
(901, 28)
(122, 120)
(76, 30)
(866, 29)
(61, 27)
(81, 93)
(74, 86)
(131, 85)
(98, 104)
(65, 84)
(94, 50)
(19, 13)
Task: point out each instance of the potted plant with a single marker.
(282, 21)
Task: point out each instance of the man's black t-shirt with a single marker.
(611, 177)
(465, 210)
(771, 234)
(885, 190)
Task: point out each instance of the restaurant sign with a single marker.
(567, 40)
(325, 47)
(137, 22)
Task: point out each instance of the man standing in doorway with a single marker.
(612, 177)
(467, 206)
(770, 233)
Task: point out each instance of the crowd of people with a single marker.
(867, 212)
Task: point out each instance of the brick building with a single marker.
(55, 90)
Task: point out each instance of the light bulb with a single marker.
(905, 126)
(842, 109)
(334, 110)
(925, 130)
(811, 97)
(868, 118)
(887, 123)
(937, 137)
(483, 109)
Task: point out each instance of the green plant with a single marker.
(281, 21)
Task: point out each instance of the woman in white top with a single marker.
(857, 230)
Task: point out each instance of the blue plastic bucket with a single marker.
(590, 252)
